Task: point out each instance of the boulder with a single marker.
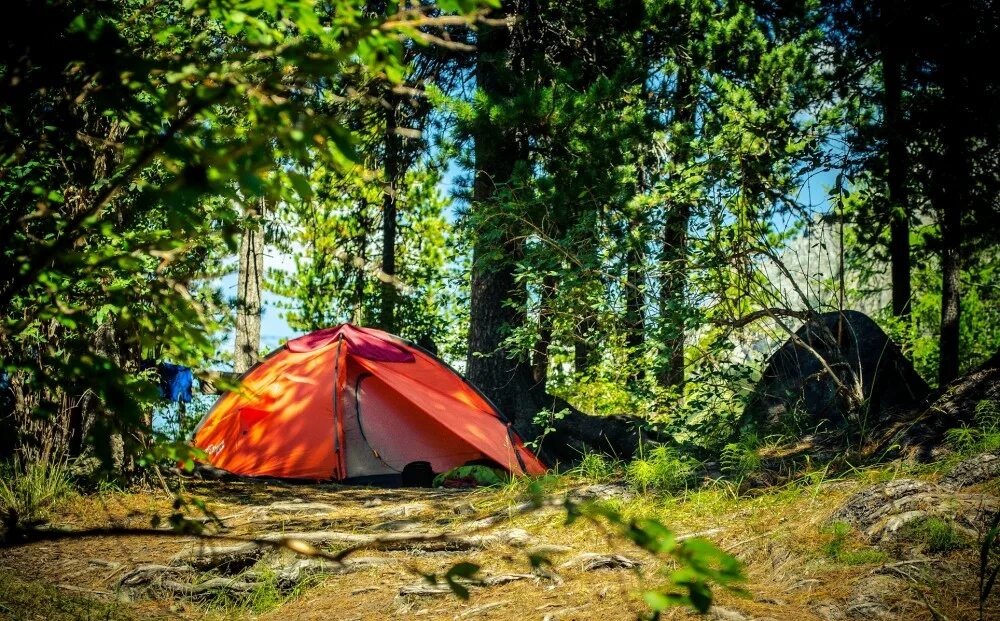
(972, 471)
(920, 436)
(839, 370)
(881, 511)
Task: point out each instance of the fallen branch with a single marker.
(204, 588)
(144, 574)
(421, 589)
(76, 589)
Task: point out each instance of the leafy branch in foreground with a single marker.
(690, 569)
(691, 566)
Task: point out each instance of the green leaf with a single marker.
(301, 185)
(656, 600)
(462, 570)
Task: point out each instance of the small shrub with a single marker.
(988, 420)
(935, 534)
(839, 549)
(987, 415)
(28, 492)
(664, 469)
(962, 439)
(596, 467)
(983, 436)
(740, 459)
(840, 531)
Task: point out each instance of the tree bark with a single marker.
(583, 350)
(540, 355)
(897, 162)
(951, 270)
(674, 246)
(954, 186)
(393, 157)
(504, 376)
(248, 291)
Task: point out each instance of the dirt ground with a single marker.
(779, 535)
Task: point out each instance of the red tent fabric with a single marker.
(355, 403)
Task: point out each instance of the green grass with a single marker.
(936, 535)
(29, 492)
(983, 436)
(597, 467)
(21, 599)
(741, 459)
(662, 469)
(843, 548)
(265, 598)
(262, 599)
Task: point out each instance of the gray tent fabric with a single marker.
(797, 390)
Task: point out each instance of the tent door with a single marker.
(363, 460)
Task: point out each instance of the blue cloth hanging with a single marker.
(176, 382)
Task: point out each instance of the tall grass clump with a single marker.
(983, 436)
(597, 467)
(663, 469)
(29, 491)
(741, 459)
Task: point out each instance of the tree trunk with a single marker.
(951, 270)
(248, 289)
(393, 155)
(635, 307)
(358, 313)
(540, 358)
(505, 377)
(955, 187)
(674, 246)
(897, 162)
(635, 258)
(583, 350)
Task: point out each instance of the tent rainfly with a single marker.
(355, 404)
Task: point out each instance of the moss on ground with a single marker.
(24, 600)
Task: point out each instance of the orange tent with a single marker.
(359, 404)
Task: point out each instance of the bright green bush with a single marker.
(596, 467)
(742, 458)
(662, 469)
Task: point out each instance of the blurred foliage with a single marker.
(129, 141)
(691, 568)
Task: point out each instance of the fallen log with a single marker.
(590, 561)
(208, 587)
(144, 574)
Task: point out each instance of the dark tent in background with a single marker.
(796, 386)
